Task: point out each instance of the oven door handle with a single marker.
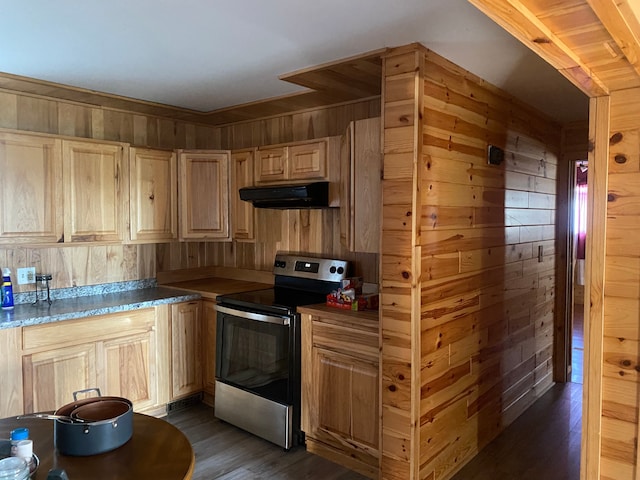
(260, 317)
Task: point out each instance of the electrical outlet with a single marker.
(26, 275)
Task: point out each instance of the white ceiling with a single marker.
(209, 54)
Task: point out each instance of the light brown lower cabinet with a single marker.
(340, 387)
(209, 349)
(186, 349)
(115, 352)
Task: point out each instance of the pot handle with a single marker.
(86, 390)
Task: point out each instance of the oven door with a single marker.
(254, 352)
(257, 374)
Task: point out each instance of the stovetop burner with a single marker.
(299, 280)
(275, 300)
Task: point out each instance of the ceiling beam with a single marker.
(522, 23)
(623, 26)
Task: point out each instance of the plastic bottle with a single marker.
(16, 436)
(7, 290)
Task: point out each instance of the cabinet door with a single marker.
(12, 397)
(347, 401)
(95, 192)
(31, 208)
(186, 349)
(128, 368)
(51, 377)
(308, 161)
(209, 369)
(203, 193)
(153, 196)
(347, 237)
(361, 187)
(271, 164)
(242, 212)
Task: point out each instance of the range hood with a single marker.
(306, 195)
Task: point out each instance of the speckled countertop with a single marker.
(89, 301)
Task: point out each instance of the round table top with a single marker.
(157, 450)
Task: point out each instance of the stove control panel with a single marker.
(325, 269)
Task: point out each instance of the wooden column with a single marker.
(400, 270)
(612, 343)
(594, 305)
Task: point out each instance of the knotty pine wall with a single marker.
(467, 305)
(315, 231)
(619, 337)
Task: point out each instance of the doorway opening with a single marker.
(578, 239)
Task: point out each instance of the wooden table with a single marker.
(157, 450)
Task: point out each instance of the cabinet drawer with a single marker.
(74, 332)
(348, 341)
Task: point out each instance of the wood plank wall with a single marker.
(314, 231)
(92, 264)
(480, 255)
(620, 379)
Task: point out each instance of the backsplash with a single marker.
(81, 266)
(73, 292)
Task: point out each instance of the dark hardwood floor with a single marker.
(542, 444)
(224, 452)
(577, 343)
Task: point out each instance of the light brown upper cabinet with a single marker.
(291, 162)
(96, 192)
(153, 200)
(31, 205)
(361, 162)
(308, 160)
(242, 217)
(203, 194)
(271, 164)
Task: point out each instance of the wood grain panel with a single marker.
(486, 299)
(618, 454)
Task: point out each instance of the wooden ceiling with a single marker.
(593, 43)
(345, 80)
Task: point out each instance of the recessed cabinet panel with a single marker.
(204, 194)
(134, 382)
(31, 207)
(334, 406)
(242, 217)
(271, 164)
(308, 161)
(51, 377)
(93, 183)
(153, 195)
